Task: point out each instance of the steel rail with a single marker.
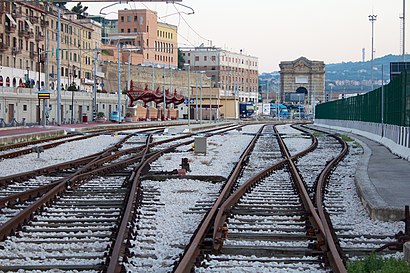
(335, 254)
(218, 214)
(114, 260)
(45, 146)
(82, 175)
(233, 199)
(26, 214)
(192, 252)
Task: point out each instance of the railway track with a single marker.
(272, 225)
(60, 211)
(276, 219)
(359, 236)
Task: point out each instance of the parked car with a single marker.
(114, 116)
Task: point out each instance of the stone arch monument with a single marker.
(302, 81)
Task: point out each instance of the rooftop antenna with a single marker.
(363, 54)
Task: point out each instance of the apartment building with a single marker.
(28, 46)
(155, 42)
(234, 74)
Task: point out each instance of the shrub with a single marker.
(373, 263)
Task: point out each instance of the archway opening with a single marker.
(302, 90)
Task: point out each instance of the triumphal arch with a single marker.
(302, 81)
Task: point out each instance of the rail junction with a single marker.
(266, 196)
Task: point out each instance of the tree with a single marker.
(79, 9)
(181, 60)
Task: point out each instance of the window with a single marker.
(135, 18)
(25, 107)
(213, 58)
(135, 30)
(196, 58)
(122, 30)
(205, 58)
(129, 30)
(128, 18)
(122, 18)
(147, 28)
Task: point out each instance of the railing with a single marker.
(13, 123)
(3, 47)
(32, 54)
(16, 50)
(44, 23)
(39, 37)
(34, 19)
(29, 34)
(11, 28)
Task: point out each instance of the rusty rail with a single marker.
(233, 199)
(114, 260)
(190, 254)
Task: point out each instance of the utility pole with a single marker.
(404, 30)
(58, 66)
(200, 117)
(119, 83)
(165, 102)
(372, 19)
(95, 85)
(47, 81)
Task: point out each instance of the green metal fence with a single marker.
(368, 107)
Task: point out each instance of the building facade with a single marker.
(28, 46)
(28, 56)
(156, 42)
(234, 74)
(302, 81)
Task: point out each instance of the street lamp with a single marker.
(200, 90)
(372, 18)
(189, 96)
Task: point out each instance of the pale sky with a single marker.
(274, 31)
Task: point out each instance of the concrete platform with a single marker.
(382, 180)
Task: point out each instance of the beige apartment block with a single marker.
(28, 46)
(234, 74)
(156, 42)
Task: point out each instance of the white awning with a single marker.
(11, 19)
(30, 25)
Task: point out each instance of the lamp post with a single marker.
(200, 90)
(58, 66)
(189, 96)
(119, 82)
(372, 19)
(165, 103)
(196, 95)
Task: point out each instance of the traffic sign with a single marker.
(43, 95)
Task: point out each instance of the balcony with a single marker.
(43, 57)
(29, 34)
(16, 13)
(32, 54)
(10, 28)
(34, 19)
(15, 51)
(39, 37)
(87, 81)
(21, 32)
(3, 47)
(44, 23)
